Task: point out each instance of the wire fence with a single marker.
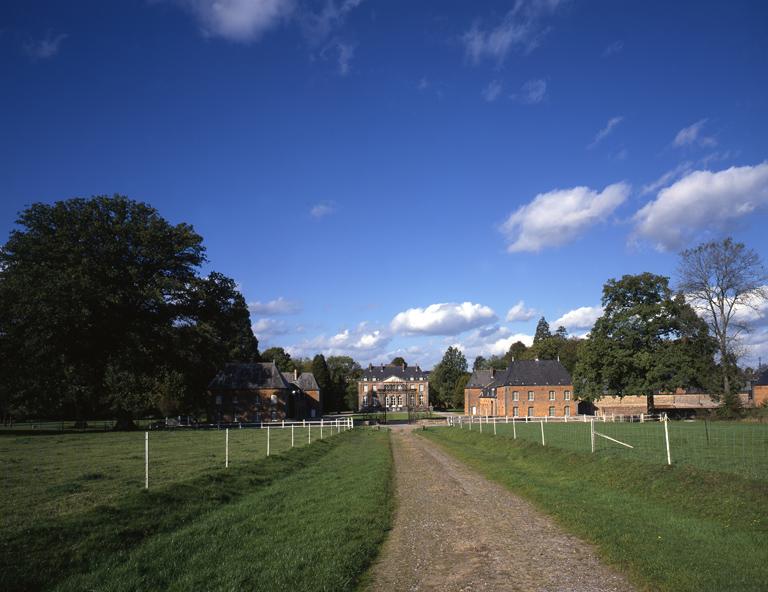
(71, 472)
(724, 446)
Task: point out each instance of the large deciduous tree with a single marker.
(280, 357)
(97, 296)
(648, 340)
(722, 280)
(323, 378)
(444, 377)
(345, 372)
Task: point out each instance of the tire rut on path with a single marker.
(455, 530)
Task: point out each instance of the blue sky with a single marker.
(390, 178)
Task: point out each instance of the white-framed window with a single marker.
(551, 395)
(515, 395)
(374, 388)
(567, 395)
(400, 400)
(365, 378)
(386, 400)
(530, 411)
(273, 398)
(365, 388)
(530, 395)
(515, 412)
(365, 400)
(551, 411)
(421, 388)
(421, 399)
(567, 410)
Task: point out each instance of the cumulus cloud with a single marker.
(580, 318)
(521, 29)
(239, 20)
(666, 178)
(494, 343)
(322, 209)
(449, 318)
(606, 131)
(692, 135)
(279, 306)
(492, 91)
(559, 216)
(700, 203)
(43, 49)
(520, 313)
(266, 328)
(362, 342)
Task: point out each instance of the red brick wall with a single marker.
(504, 403)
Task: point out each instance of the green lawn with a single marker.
(308, 519)
(733, 447)
(70, 473)
(677, 528)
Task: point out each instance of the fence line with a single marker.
(733, 447)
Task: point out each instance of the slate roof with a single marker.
(533, 373)
(762, 379)
(243, 377)
(305, 381)
(384, 371)
(480, 378)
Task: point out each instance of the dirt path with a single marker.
(455, 530)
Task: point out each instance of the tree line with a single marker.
(104, 313)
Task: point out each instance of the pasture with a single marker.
(672, 528)
(75, 515)
(731, 447)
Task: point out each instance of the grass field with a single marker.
(732, 447)
(70, 473)
(677, 528)
(308, 519)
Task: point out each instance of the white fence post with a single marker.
(481, 423)
(267, 440)
(321, 428)
(292, 426)
(666, 438)
(309, 433)
(494, 426)
(514, 430)
(226, 448)
(592, 434)
(541, 423)
(146, 460)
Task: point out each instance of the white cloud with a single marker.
(534, 91)
(239, 20)
(492, 91)
(319, 26)
(613, 48)
(497, 343)
(280, 306)
(605, 132)
(666, 178)
(346, 53)
(692, 135)
(559, 216)
(519, 313)
(362, 343)
(521, 28)
(45, 48)
(579, 318)
(322, 209)
(449, 318)
(267, 328)
(702, 203)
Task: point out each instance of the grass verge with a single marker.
(310, 519)
(676, 528)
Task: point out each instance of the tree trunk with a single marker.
(651, 406)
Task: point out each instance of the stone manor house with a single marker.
(393, 388)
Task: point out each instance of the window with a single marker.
(365, 378)
(274, 399)
(218, 399)
(530, 411)
(365, 401)
(551, 411)
(374, 388)
(567, 410)
(386, 400)
(567, 395)
(421, 399)
(551, 395)
(421, 388)
(365, 388)
(530, 395)
(515, 412)
(515, 395)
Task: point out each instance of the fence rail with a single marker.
(731, 447)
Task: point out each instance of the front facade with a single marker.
(393, 388)
(532, 388)
(260, 392)
(759, 391)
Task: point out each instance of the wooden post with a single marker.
(267, 440)
(592, 434)
(309, 433)
(494, 426)
(514, 430)
(292, 435)
(666, 439)
(226, 448)
(541, 423)
(146, 460)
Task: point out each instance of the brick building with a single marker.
(533, 388)
(393, 388)
(260, 392)
(759, 390)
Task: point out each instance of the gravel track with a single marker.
(456, 530)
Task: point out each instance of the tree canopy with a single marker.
(104, 311)
(445, 376)
(398, 361)
(648, 340)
